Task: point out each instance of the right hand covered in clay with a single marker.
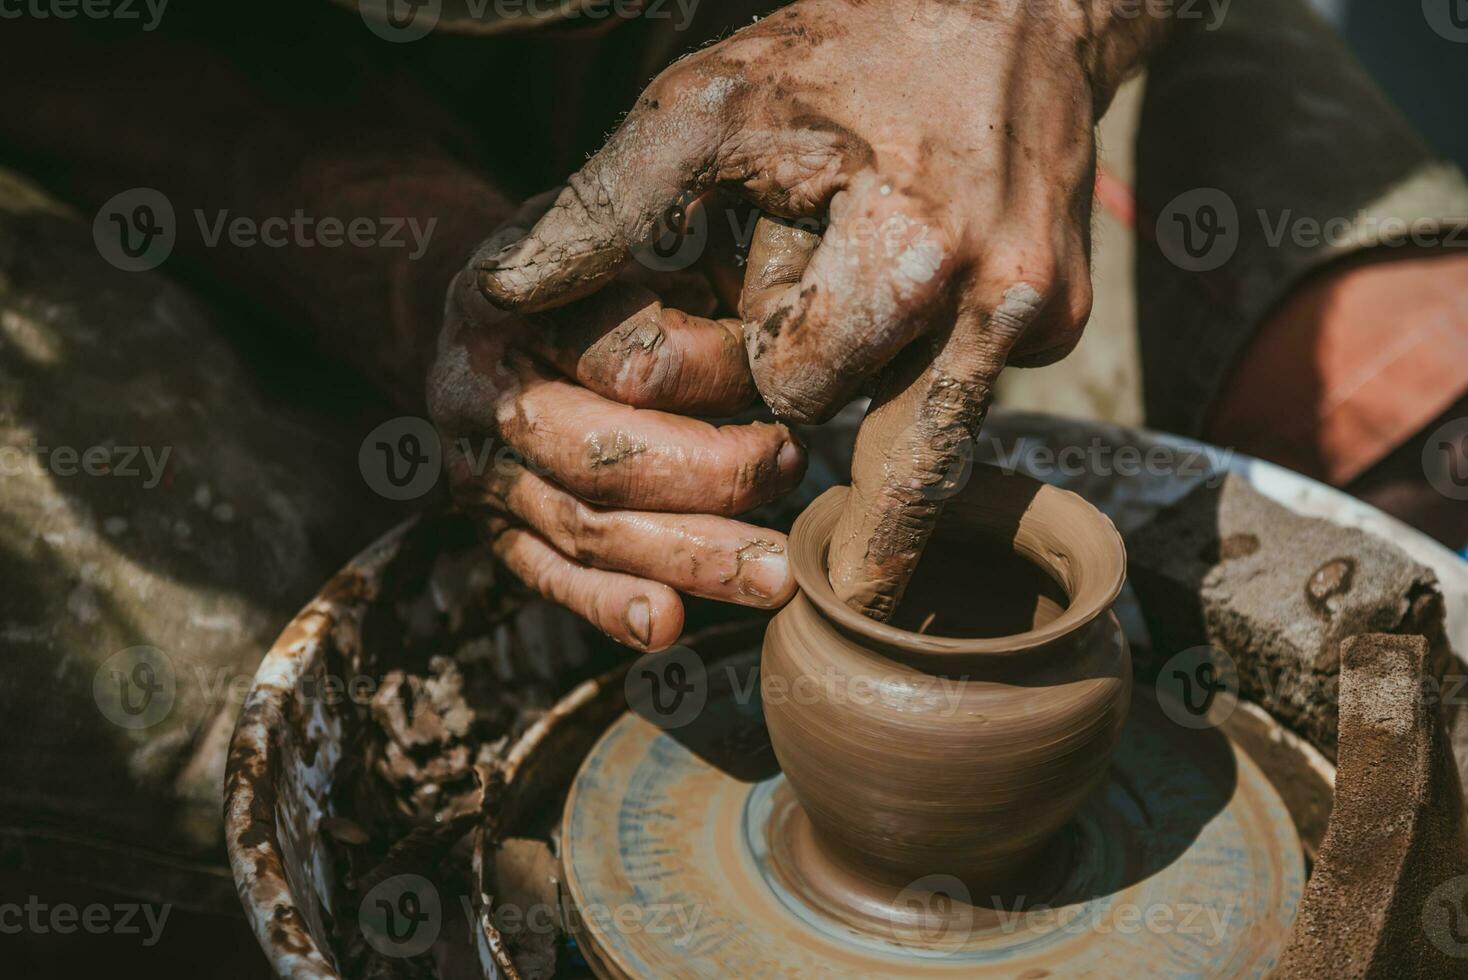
(570, 442)
(948, 151)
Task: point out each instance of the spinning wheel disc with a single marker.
(1185, 863)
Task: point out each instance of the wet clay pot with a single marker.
(913, 754)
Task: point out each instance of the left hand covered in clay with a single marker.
(574, 441)
(947, 150)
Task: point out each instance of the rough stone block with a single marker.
(1277, 592)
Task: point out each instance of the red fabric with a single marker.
(1351, 366)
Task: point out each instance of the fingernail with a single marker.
(765, 574)
(500, 286)
(639, 619)
(791, 465)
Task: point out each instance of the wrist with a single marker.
(1119, 36)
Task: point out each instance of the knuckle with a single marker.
(1060, 330)
(753, 466)
(546, 577)
(802, 407)
(1021, 272)
(588, 202)
(790, 398)
(609, 451)
(1081, 303)
(580, 530)
(636, 363)
(1051, 346)
(744, 487)
(1024, 283)
(664, 88)
(701, 79)
(609, 462)
(938, 232)
(673, 88)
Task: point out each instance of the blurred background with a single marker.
(1426, 78)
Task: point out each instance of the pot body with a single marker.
(963, 763)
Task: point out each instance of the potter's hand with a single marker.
(948, 150)
(567, 438)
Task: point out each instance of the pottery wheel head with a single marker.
(686, 855)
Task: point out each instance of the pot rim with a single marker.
(1088, 600)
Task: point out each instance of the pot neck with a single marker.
(1067, 537)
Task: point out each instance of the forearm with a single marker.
(335, 209)
(1265, 155)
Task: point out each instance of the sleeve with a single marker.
(1265, 153)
